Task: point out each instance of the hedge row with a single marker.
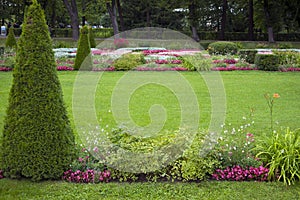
(67, 32)
(243, 36)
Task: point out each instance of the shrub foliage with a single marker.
(129, 61)
(37, 139)
(267, 62)
(248, 55)
(83, 59)
(92, 38)
(11, 40)
(222, 48)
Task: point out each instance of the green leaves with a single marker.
(281, 152)
(37, 139)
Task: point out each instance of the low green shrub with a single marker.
(288, 58)
(222, 48)
(248, 55)
(196, 62)
(129, 61)
(267, 62)
(2, 50)
(281, 153)
(190, 166)
(61, 44)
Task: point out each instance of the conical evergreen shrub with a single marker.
(10, 41)
(83, 59)
(92, 38)
(37, 142)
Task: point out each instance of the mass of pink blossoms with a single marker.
(237, 173)
(88, 176)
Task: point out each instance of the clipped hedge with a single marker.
(83, 59)
(11, 40)
(38, 142)
(248, 55)
(92, 38)
(222, 48)
(267, 62)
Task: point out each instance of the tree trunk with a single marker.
(73, 12)
(223, 20)
(268, 22)
(112, 10)
(195, 34)
(122, 26)
(250, 21)
(193, 21)
(83, 12)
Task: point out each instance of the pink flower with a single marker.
(96, 149)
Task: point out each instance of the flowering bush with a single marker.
(229, 61)
(5, 69)
(234, 147)
(109, 69)
(160, 69)
(154, 51)
(290, 69)
(88, 176)
(238, 173)
(64, 68)
(1, 174)
(233, 68)
(121, 43)
(162, 62)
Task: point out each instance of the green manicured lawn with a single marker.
(13, 189)
(244, 92)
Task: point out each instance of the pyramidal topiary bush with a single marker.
(92, 38)
(83, 59)
(37, 142)
(10, 41)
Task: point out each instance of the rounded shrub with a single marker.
(11, 40)
(129, 61)
(37, 142)
(248, 55)
(83, 59)
(267, 62)
(92, 38)
(222, 48)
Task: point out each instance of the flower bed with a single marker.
(237, 173)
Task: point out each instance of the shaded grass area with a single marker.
(14, 189)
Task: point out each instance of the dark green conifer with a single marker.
(92, 38)
(37, 142)
(11, 40)
(83, 59)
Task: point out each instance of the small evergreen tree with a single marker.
(37, 142)
(92, 38)
(11, 40)
(83, 59)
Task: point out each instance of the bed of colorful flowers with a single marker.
(157, 59)
(238, 173)
(88, 176)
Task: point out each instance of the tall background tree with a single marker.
(73, 13)
(37, 142)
